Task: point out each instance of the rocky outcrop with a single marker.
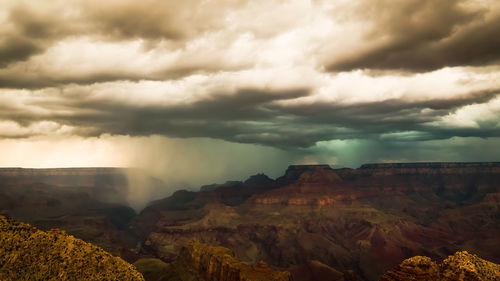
(295, 171)
(461, 266)
(416, 268)
(27, 253)
(202, 262)
(213, 263)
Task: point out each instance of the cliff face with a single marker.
(321, 185)
(197, 261)
(461, 266)
(27, 253)
(219, 264)
(368, 219)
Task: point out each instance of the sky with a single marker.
(198, 92)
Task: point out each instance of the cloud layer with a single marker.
(283, 74)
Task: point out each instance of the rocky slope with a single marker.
(460, 266)
(366, 219)
(197, 261)
(27, 253)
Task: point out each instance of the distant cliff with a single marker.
(27, 253)
(461, 266)
(103, 184)
(22, 172)
(423, 167)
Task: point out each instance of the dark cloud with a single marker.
(29, 32)
(254, 116)
(218, 116)
(366, 111)
(20, 78)
(43, 23)
(374, 119)
(16, 49)
(426, 35)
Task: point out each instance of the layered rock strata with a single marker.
(202, 262)
(219, 264)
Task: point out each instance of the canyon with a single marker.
(346, 223)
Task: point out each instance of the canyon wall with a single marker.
(367, 219)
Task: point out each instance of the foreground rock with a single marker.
(460, 266)
(202, 262)
(27, 253)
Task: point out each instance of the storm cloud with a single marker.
(425, 35)
(290, 76)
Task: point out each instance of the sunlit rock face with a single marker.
(367, 219)
(460, 266)
(27, 253)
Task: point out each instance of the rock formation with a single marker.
(27, 253)
(197, 261)
(461, 266)
(219, 264)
